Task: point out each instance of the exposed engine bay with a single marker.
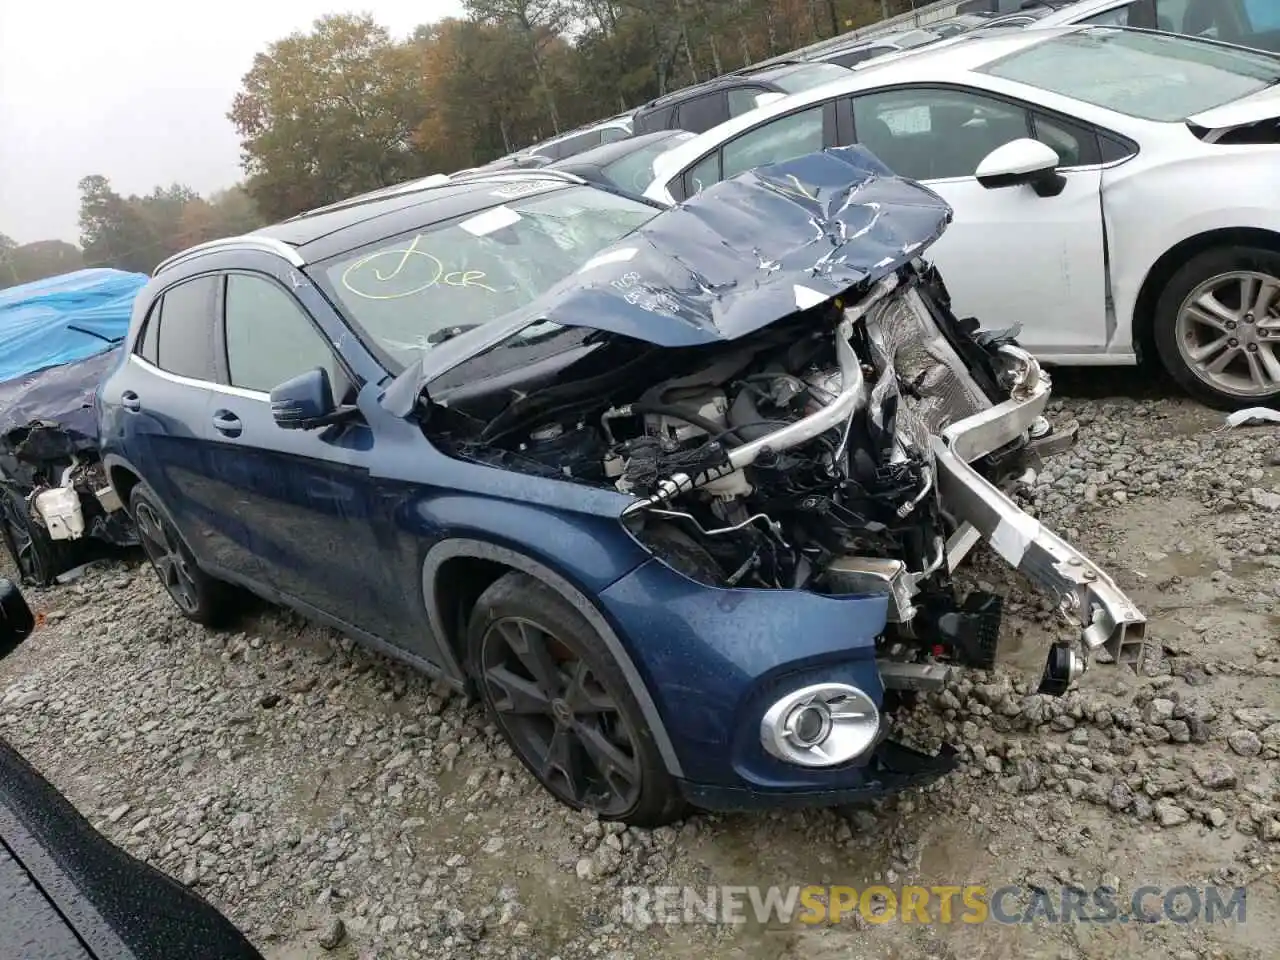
(803, 456)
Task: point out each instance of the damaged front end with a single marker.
(799, 412)
(55, 499)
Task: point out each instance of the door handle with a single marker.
(129, 400)
(227, 423)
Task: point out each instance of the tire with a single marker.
(38, 557)
(16, 618)
(199, 596)
(1224, 272)
(566, 749)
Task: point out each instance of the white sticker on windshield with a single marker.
(483, 224)
(625, 255)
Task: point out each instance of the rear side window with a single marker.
(575, 145)
(151, 334)
(185, 335)
(744, 99)
(700, 114)
(661, 118)
(702, 175)
(270, 339)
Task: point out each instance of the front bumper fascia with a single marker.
(1108, 620)
(893, 767)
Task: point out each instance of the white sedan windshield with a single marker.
(409, 292)
(1145, 75)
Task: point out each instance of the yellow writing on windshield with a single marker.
(373, 276)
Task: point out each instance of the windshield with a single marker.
(1150, 76)
(809, 76)
(407, 293)
(635, 171)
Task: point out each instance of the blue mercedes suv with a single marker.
(676, 492)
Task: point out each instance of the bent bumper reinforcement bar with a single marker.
(1107, 618)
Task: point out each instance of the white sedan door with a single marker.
(1010, 255)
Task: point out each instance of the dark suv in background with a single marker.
(702, 106)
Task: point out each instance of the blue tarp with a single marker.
(64, 319)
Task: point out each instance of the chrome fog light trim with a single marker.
(821, 725)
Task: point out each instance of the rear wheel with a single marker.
(564, 705)
(199, 596)
(16, 618)
(38, 557)
(1217, 327)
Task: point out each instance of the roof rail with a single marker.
(529, 173)
(247, 242)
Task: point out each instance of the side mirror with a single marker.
(304, 402)
(1022, 161)
(16, 619)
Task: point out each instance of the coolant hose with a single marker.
(691, 417)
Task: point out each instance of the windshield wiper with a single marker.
(448, 333)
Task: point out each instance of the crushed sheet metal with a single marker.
(63, 395)
(727, 262)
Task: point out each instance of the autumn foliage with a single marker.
(345, 107)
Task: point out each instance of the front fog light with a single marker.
(820, 726)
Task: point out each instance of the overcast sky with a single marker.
(138, 91)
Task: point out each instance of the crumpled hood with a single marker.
(737, 257)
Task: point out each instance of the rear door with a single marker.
(1010, 255)
(165, 392)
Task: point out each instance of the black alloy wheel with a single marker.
(169, 557)
(559, 717)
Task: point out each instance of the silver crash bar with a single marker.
(1107, 618)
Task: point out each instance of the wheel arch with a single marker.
(1172, 260)
(454, 574)
(122, 475)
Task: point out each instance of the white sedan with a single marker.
(1116, 192)
(1250, 23)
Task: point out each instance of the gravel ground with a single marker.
(334, 804)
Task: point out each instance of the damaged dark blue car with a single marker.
(678, 493)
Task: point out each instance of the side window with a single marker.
(1076, 146)
(610, 134)
(700, 114)
(703, 174)
(1171, 15)
(1126, 16)
(583, 141)
(860, 55)
(1263, 15)
(744, 99)
(269, 337)
(782, 139)
(661, 118)
(932, 134)
(151, 334)
(185, 343)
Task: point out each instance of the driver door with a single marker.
(1010, 255)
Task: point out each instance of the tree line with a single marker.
(344, 107)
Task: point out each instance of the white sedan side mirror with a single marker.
(1022, 161)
